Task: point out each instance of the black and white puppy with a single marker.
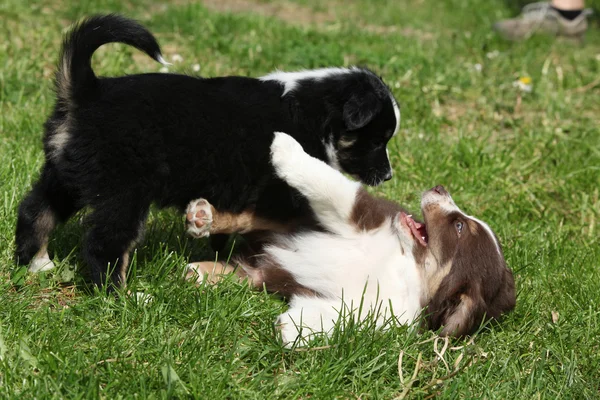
(372, 257)
(120, 144)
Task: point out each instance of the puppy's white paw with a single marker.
(41, 264)
(285, 151)
(199, 218)
(193, 273)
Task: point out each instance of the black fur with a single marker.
(120, 144)
(85, 39)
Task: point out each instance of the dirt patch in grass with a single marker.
(402, 31)
(452, 110)
(286, 11)
(296, 14)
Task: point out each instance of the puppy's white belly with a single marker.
(366, 267)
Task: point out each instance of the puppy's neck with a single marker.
(432, 274)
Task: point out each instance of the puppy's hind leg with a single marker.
(331, 195)
(45, 205)
(199, 218)
(214, 271)
(211, 271)
(203, 220)
(117, 225)
(306, 317)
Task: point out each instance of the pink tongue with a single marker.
(416, 228)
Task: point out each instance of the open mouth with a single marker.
(418, 230)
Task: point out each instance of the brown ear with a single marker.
(504, 300)
(457, 308)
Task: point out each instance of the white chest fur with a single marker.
(367, 268)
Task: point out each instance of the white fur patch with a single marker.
(59, 139)
(397, 114)
(445, 202)
(382, 279)
(332, 156)
(193, 219)
(41, 263)
(290, 79)
(331, 194)
(307, 316)
(161, 60)
(387, 153)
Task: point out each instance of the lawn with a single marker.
(527, 163)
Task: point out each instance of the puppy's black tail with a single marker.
(75, 78)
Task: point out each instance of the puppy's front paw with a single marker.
(285, 151)
(199, 218)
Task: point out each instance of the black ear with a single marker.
(457, 308)
(359, 111)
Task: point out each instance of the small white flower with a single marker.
(598, 57)
(478, 67)
(177, 58)
(164, 69)
(196, 67)
(492, 54)
(524, 83)
(258, 48)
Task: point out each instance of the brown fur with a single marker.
(244, 222)
(478, 285)
(260, 270)
(466, 278)
(371, 212)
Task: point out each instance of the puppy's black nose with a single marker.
(439, 189)
(388, 176)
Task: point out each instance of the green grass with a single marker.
(530, 167)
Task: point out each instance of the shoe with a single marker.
(541, 17)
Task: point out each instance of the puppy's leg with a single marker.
(203, 220)
(116, 227)
(47, 203)
(212, 271)
(199, 218)
(306, 317)
(331, 195)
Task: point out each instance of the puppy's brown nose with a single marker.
(439, 189)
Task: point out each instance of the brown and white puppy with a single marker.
(370, 256)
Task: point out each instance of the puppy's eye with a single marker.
(459, 227)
